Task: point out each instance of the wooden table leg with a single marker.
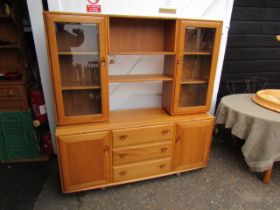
(267, 176)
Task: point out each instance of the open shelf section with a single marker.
(141, 35)
(193, 81)
(78, 53)
(197, 53)
(83, 87)
(139, 78)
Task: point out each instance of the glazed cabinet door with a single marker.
(192, 144)
(197, 58)
(85, 160)
(77, 51)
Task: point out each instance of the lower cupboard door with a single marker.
(84, 160)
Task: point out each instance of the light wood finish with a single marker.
(268, 98)
(267, 176)
(183, 103)
(194, 81)
(139, 78)
(141, 35)
(142, 169)
(142, 53)
(192, 144)
(130, 136)
(85, 160)
(78, 53)
(130, 119)
(88, 87)
(132, 154)
(64, 99)
(197, 53)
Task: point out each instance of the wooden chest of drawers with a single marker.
(122, 151)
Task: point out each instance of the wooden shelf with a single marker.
(142, 53)
(9, 46)
(194, 81)
(82, 87)
(78, 53)
(198, 53)
(139, 78)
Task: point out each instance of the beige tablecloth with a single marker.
(258, 126)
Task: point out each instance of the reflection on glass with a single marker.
(199, 39)
(193, 95)
(81, 102)
(77, 37)
(79, 62)
(79, 70)
(196, 67)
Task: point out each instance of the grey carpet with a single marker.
(226, 183)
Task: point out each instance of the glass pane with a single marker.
(81, 102)
(77, 37)
(79, 62)
(196, 67)
(79, 70)
(199, 39)
(193, 95)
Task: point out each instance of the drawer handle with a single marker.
(10, 93)
(162, 166)
(163, 150)
(122, 156)
(165, 132)
(106, 150)
(123, 137)
(123, 173)
(178, 139)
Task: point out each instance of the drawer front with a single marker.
(123, 137)
(141, 153)
(11, 92)
(142, 169)
(9, 106)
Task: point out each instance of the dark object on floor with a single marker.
(21, 184)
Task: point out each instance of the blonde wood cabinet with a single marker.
(77, 49)
(192, 144)
(99, 147)
(85, 160)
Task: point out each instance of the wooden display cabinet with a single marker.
(197, 60)
(137, 144)
(78, 58)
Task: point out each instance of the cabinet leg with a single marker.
(267, 176)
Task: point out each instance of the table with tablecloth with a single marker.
(258, 126)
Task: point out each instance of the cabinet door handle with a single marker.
(163, 150)
(106, 150)
(102, 62)
(123, 173)
(123, 137)
(122, 156)
(162, 166)
(178, 139)
(10, 93)
(180, 62)
(165, 132)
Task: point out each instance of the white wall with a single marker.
(196, 9)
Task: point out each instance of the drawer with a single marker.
(8, 106)
(142, 169)
(12, 92)
(143, 152)
(123, 137)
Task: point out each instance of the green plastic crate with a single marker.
(17, 139)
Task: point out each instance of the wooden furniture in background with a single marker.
(98, 147)
(13, 96)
